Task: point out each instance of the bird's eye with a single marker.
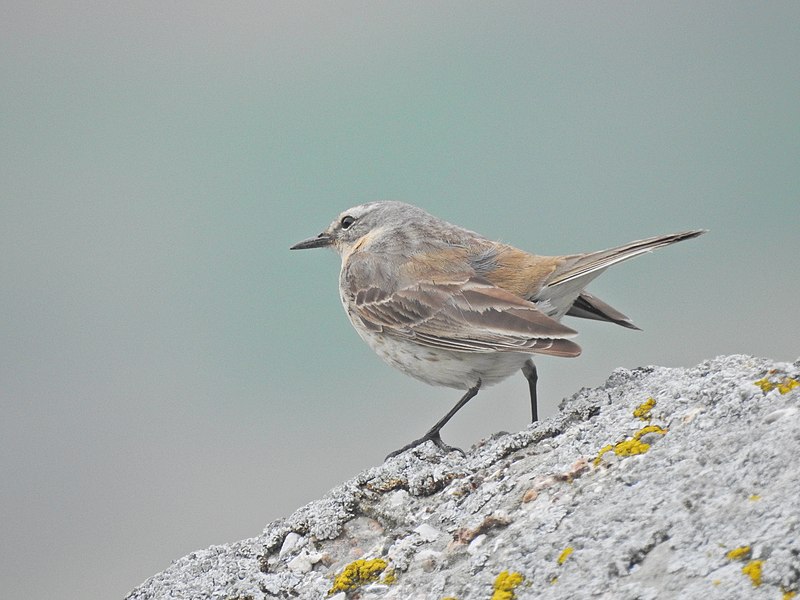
(347, 222)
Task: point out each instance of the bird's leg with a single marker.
(433, 432)
(529, 370)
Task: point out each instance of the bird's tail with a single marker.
(586, 267)
(564, 290)
(587, 306)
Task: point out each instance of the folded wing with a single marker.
(469, 315)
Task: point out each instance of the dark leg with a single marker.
(529, 370)
(433, 432)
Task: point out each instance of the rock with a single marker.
(427, 533)
(662, 483)
(289, 543)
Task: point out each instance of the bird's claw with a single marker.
(432, 437)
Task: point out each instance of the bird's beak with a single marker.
(322, 240)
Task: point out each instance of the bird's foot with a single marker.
(432, 436)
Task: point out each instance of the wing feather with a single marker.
(470, 315)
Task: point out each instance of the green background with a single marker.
(173, 377)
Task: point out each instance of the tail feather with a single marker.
(588, 264)
(587, 306)
(563, 292)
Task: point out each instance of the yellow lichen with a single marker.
(643, 410)
(738, 553)
(784, 386)
(716, 581)
(754, 497)
(787, 385)
(603, 450)
(765, 384)
(753, 571)
(633, 445)
(649, 429)
(389, 577)
(562, 558)
(357, 573)
(554, 581)
(504, 585)
(788, 594)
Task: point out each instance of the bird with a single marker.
(453, 308)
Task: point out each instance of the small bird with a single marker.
(453, 308)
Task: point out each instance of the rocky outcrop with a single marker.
(662, 483)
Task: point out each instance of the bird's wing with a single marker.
(462, 314)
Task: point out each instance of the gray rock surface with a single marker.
(700, 500)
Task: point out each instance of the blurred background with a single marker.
(172, 377)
